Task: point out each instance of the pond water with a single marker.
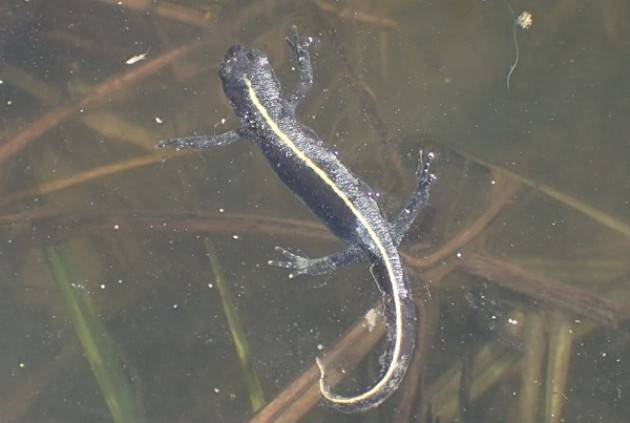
(135, 284)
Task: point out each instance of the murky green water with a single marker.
(135, 284)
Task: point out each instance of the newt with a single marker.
(342, 201)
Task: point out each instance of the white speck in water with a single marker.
(234, 236)
(370, 318)
(102, 286)
(116, 227)
(210, 286)
(459, 255)
(320, 347)
(159, 119)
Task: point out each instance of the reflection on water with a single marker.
(115, 306)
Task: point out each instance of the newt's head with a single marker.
(241, 61)
(247, 73)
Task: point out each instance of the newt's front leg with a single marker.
(201, 141)
(305, 69)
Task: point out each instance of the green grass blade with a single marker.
(96, 343)
(256, 394)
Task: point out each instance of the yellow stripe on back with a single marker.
(362, 220)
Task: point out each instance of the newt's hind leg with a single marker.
(418, 199)
(317, 266)
(300, 265)
(305, 69)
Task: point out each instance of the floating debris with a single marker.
(525, 20)
(138, 58)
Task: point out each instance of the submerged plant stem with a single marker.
(97, 345)
(256, 394)
(517, 55)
